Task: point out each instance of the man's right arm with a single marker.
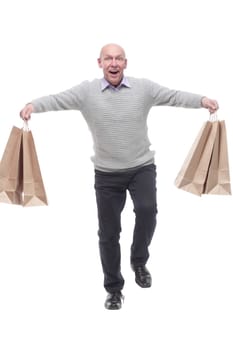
(71, 99)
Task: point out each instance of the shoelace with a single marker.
(142, 272)
(116, 297)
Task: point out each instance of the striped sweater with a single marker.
(118, 119)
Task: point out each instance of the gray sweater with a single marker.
(118, 119)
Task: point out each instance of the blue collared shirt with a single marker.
(105, 84)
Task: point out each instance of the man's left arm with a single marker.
(163, 96)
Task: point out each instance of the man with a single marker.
(116, 109)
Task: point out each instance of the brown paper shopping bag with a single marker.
(33, 187)
(11, 169)
(193, 172)
(218, 178)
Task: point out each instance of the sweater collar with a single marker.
(106, 85)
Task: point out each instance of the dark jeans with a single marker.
(111, 191)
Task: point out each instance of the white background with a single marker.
(51, 293)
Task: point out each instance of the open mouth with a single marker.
(113, 72)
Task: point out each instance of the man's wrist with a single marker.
(203, 100)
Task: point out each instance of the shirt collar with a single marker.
(105, 84)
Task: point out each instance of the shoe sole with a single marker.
(113, 308)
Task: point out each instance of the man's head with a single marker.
(113, 62)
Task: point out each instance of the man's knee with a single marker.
(109, 236)
(146, 208)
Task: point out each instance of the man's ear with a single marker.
(99, 62)
(126, 63)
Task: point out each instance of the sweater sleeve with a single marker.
(163, 96)
(71, 99)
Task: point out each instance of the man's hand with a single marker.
(211, 105)
(25, 114)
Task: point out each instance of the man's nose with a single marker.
(114, 62)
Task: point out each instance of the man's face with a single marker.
(113, 62)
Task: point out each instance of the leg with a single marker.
(110, 197)
(142, 189)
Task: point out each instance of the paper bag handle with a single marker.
(213, 117)
(25, 125)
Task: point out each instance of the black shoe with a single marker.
(114, 301)
(142, 276)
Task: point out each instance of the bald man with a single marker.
(116, 108)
